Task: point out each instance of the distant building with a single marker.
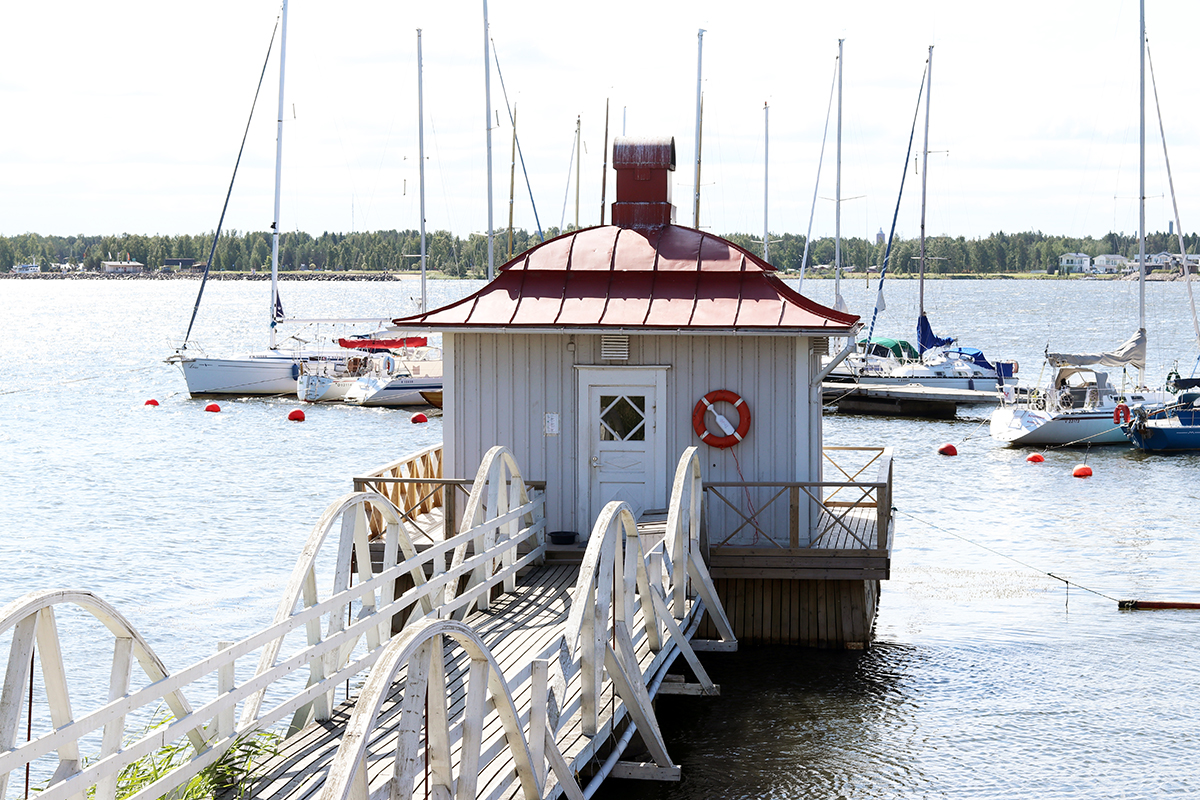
(1074, 262)
(179, 263)
(26, 269)
(122, 266)
(1109, 263)
(879, 238)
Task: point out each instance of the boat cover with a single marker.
(1132, 353)
(925, 337)
(897, 347)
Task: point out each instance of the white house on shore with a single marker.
(1074, 262)
(122, 266)
(1109, 263)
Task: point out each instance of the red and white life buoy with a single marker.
(733, 435)
(1119, 413)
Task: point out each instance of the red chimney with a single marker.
(643, 182)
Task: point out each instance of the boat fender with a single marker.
(388, 364)
(732, 435)
(1065, 398)
(295, 371)
(1120, 413)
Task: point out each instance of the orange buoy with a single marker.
(948, 449)
(1035, 458)
(296, 416)
(213, 407)
(1082, 471)
(419, 417)
(151, 402)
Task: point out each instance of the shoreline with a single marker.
(1159, 277)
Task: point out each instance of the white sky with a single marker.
(125, 116)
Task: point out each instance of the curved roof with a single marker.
(609, 278)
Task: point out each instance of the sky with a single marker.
(126, 116)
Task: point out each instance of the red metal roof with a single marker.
(607, 278)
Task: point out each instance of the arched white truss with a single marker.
(32, 619)
(419, 654)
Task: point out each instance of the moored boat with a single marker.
(1172, 429)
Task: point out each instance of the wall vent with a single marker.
(614, 348)
(820, 346)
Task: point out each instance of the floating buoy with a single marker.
(419, 417)
(213, 407)
(1082, 471)
(296, 416)
(1035, 458)
(151, 402)
(948, 449)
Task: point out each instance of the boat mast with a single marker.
(487, 91)
(1142, 183)
(699, 63)
(578, 160)
(604, 169)
(512, 186)
(276, 306)
(766, 168)
(925, 176)
(421, 159)
(838, 303)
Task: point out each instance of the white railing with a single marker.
(619, 600)
(339, 643)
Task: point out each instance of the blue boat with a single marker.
(1172, 429)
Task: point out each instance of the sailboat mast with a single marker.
(604, 169)
(1142, 180)
(837, 205)
(275, 304)
(766, 171)
(421, 159)
(512, 185)
(578, 161)
(487, 91)
(925, 175)
(699, 64)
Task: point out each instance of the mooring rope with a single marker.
(1069, 583)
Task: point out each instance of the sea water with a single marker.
(1001, 665)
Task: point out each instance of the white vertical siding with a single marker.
(500, 387)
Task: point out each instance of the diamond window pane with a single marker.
(622, 418)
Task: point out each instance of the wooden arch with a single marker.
(32, 618)
(419, 652)
(353, 557)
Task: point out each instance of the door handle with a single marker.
(595, 462)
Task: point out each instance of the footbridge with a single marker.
(401, 661)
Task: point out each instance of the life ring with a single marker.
(705, 403)
(388, 364)
(1119, 413)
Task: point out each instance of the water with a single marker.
(989, 678)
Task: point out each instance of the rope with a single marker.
(1038, 570)
(77, 380)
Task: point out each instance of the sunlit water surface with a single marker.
(989, 677)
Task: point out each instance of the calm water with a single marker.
(989, 678)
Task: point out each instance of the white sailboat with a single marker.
(275, 370)
(1080, 406)
(893, 362)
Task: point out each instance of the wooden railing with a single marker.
(853, 512)
(343, 635)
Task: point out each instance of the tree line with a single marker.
(458, 257)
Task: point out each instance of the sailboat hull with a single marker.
(1021, 427)
(245, 376)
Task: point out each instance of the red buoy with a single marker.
(151, 402)
(419, 417)
(296, 416)
(213, 407)
(948, 449)
(1035, 458)
(1082, 471)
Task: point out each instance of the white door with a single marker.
(624, 455)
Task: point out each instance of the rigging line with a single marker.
(1038, 570)
(895, 215)
(567, 191)
(445, 195)
(228, 194)
(1162, 134)
(820, 160)
(517, 139)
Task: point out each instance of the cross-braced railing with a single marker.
(847, 514)
(343, 634)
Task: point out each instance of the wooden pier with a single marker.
(911, 400)
(405, 660)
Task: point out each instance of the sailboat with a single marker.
(1080, 406)
(894, 362)
(275, 370)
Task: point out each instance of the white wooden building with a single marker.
(590, 357)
